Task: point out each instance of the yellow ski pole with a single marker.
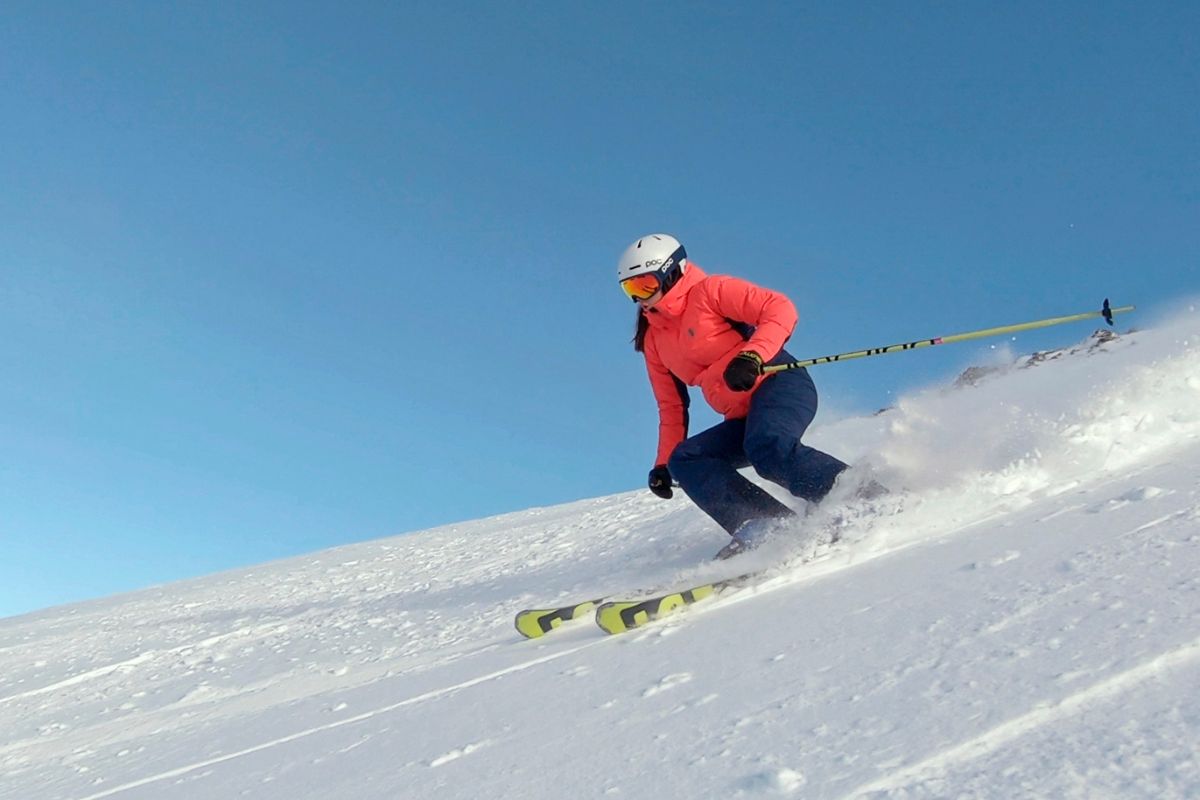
(1106, 312)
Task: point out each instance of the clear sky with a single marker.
(279, 276)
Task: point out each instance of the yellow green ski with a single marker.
(619, 616)
(535, 622)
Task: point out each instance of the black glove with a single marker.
(743, 371)
(660, 482)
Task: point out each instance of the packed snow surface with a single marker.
(1019, 618)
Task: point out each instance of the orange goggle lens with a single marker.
(641, 287)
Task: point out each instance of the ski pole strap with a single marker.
(1106, 312)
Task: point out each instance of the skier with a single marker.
(717, 332)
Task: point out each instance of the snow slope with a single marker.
(1026, 625)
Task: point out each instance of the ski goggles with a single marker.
(642, 287)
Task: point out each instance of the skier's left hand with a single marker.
(743, 371)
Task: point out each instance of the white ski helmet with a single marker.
(657, 253)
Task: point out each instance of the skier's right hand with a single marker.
(660, 482)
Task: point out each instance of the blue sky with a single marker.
(275, 277)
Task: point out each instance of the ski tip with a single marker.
(535, 623)
(527, 625)
(611, 617)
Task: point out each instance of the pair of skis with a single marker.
(618, 616)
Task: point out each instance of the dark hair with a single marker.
(639, 336)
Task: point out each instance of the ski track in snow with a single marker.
(143, 658)
(1024, 625)
(431, 695)
(1042, 715)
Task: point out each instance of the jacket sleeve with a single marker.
(671, 394)
(771, 313)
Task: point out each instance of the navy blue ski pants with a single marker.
(768, 438)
